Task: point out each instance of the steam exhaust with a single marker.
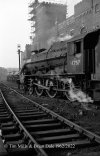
(76, 94)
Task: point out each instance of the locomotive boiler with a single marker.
(77, 59)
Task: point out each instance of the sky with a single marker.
(15, 29)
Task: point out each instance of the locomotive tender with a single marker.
(77, 58)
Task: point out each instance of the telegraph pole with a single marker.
(18, 48)
(92, 4)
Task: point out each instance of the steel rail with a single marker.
(39, 150)
(80, 129)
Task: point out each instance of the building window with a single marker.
(72, 32)
(83, 30)
(97, 7)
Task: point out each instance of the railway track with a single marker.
(29, 128)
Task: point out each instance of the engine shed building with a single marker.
(86, 18)
(48, 25)
(49, 20)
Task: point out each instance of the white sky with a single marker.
(15, 29)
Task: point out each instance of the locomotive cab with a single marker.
(83, 62)
(75, 53)
(92, 63)
(92, 54)
(75, 60)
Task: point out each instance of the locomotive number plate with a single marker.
(75, 62)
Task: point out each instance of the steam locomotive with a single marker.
(77, 59)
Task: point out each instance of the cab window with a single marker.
(77, 47)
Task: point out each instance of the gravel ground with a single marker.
(83, 115)
(89, 119)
